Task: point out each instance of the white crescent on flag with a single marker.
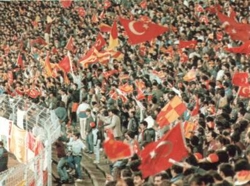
(132, 29)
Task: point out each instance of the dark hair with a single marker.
(77, 134)
(126, 173)
(226, 169)
(177, 169)
(138, 174)
(144, 123)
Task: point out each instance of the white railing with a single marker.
(21, 115)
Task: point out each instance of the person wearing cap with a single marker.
(3, 158)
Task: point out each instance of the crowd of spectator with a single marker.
(219, 152)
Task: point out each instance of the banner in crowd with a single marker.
(17, 143)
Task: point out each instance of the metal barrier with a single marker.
(22, 114)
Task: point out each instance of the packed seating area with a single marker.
(161, 86)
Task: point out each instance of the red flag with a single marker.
(39, 41)
(70, 45)
(187, 44)
(243, 49)
(145, 18)
(214, 8)
(155, 156)
(140, 84)
(116, 150)
(107, 4)
(104, 27)
(168, 114)
(143, 4)
(66, 3)
(113, 39)
(140, 95)
(140, 31)
(232, 13)
(245, 91)
(81, 12)
(100, 42)
(20, 61)
(237, 31)
(240, 79)
(204, 19)
(34, 92)
(103, 56)
(64, 64)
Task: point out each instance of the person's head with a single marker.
(88, 112)
(111, 112)
(175, 170)
(197, 180)
(138, 179)
(126, 173)
(76, 135)
(226, 170)
(143, 125)
(1, 144)
(158, 179)
(211, 135)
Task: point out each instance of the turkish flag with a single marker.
(64, 64)
(240, 79)
(100, 42)
(140, 31)
(243, 49)
(155, 156)
(116, 150)
(237, 31)
(66, 3)
(170, 112)
(104, 27)
(245, 91)
(70, 45)
(187, 44)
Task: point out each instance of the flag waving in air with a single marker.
(155, 156)
(240, 79)
(168, 114)
(140, 31)
(113, 39)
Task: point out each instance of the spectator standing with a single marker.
(77, 147)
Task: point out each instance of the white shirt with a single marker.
(82, 108)
(77, 146)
